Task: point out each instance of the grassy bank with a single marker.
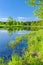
(33, 55)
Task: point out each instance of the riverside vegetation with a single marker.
(13, 25)
(32, 55)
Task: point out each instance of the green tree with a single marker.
(34, 2)
(9, 21)
(39, 7)
(14, 22)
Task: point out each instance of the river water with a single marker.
(6, 37)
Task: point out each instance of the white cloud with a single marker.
(3, 19)
(21, 19)
(26, 18)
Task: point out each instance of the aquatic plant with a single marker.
(12, 44)
(17, 40)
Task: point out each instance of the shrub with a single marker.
(16, 60)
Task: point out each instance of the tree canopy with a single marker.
(39, 7)
(34, 2)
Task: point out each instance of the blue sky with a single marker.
(16, 9)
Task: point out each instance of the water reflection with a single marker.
(17, 28)
(6, 37)
(9, 34)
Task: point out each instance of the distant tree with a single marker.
(14, 22)
(1, 23)
(9, 21)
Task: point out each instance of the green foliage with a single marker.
(18, 39)
(1, 61)
(33, 55)
(16, 60)
(39, 3)
(34, 2)
(39, 12)
(34, 52)
(12, 25)
(12, 44)
(9, 21)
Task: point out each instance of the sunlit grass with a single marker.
(16, 60)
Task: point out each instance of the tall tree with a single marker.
(9, 21)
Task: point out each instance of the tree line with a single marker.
(11, 22)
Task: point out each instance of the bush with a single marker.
(1, 61)
(34, 52)
(16, 60)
